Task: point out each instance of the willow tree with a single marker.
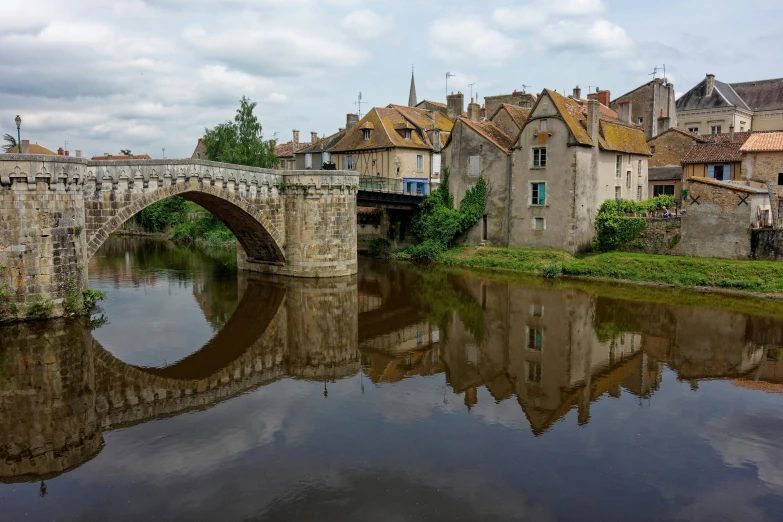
(240, 141)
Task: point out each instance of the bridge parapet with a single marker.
(56, 211)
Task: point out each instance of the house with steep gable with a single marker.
(510, 118)
(668, 149)
(568, 160)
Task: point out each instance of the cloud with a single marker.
(535, 14)
(599, 36)
(364, 23)
(472, 41)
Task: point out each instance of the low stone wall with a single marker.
(662, 236)
(766, 243)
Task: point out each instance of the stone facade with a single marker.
(662, 236)
(670, 147)
(652, 106)
(57, 211)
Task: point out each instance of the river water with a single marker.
(197, 393)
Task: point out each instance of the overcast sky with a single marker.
(147, 74)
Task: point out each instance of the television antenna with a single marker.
(358, 103)
(524, 87)
(471, 89)
(448, 75)
(164, 152)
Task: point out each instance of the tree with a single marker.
(240, 141)
(126, 152)
(10, 143)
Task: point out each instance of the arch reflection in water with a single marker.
(551, 350)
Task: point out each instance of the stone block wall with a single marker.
(662, 236)
(766, 243)
(717, 226)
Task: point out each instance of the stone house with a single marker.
(652, 106)
(762, 161)
(318, 154)
(398, 145)
(481, 148)
(718, 157)
(510, 118)
(200, 152)
(567, 161)
(668, 149)
(285, 151)
(727, 210)
(712, 106)
(516, 98)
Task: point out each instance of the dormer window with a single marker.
(366, 134)
(406, 133)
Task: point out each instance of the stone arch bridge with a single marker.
(56, 211)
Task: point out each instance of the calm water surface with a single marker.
(402, 394)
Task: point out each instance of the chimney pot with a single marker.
(313, 137)
(60, 152)
(593, 114)
(577, 93)
(710, 84)
(351, 120)
(731, 133)
(455, 104)
(25, 147)
(67, 153)
(624, 111)
(78, 154)
(296, 139)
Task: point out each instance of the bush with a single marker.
(426, 252)
(39, 308)
(613, 226)
(71, 303)
(552, 270)
(162, 215)
(91, 297)
(379, 247)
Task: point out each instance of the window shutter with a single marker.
(308, 161)
(542, 193)
(711, 171)
(473, 166)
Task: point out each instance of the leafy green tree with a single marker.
(240, 141)
(126, 152)
(10, 143)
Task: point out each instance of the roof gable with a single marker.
(490, 132)
(518, 115)
(385, 122)
(719, 149)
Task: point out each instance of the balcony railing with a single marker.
(393, 185)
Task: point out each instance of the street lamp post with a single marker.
(18, 121)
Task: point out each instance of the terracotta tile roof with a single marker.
(439, 104)
(518, 115)
(121, 157)
(602, 109)
(324, 144)
(492, 133)
(762, 142)
(717, 149)
(384, 135)
(770, 387)
(37, 149)
(695, 135)
(286, 150)
(614, 135)
(425, 119)
(731, 185)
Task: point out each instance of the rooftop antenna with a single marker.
(164, 152)
(590, 87)
(448, 75)
(524, 88)
(471, 89)
(66, 145)
(655, 72)
(359, 102)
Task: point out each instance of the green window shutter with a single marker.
(542, 193)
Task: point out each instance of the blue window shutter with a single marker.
(711, 171)
(542, 193)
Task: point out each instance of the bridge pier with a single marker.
(56, 211)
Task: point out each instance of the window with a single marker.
(419, 162)
(474, 166)
(638, 192)
(539, 157)
(780, 178)
(533, 372)
(350, 162)
(535, 338)
(308, 160)
(282, 164)
(537, 310)
(406, 134)
(618, 165)
(639, 168)
(719, 172)
(715, 129)
(652, 149)
(628, 158)
(538, 193)
(435, 165)
(539, 224)
(628, 179)
(640, 120)
(543, 126)
(663, 190)
(693, 129)
(366, 134)
(742, 126)
(198, 155)
(326, 157)
(618, 193)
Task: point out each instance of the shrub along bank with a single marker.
(753, 276)
(186, 222)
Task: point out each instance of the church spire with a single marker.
(412, 95)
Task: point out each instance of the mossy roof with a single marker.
(384, 134)
(491, 133)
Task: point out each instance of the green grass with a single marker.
(753, 276)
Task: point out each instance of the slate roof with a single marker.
(763, 142)
(722, 96)
(491, 133)
(762, 95)
(518, 115)
(614, 135)
(717, 149)
(384, 136)
(664, 173)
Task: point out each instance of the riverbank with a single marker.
(745, 277)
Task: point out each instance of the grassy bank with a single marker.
(751, 276)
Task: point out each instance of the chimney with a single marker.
(60, 152)
(474, 111)
(67, 153)
(603, 97)
(483, 112)
(577, 93)
(296, 139)
(351, 120)
(731, 133)
(710, 84)
(455, 104)
(624, 111)
(108, 156)
(593, 112)
(25, 147)
(78, 154)
(313, 137)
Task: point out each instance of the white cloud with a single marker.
(599, 36)
(364, 23)
(535, 14)
(471, 41)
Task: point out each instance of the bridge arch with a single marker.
(260, 238)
